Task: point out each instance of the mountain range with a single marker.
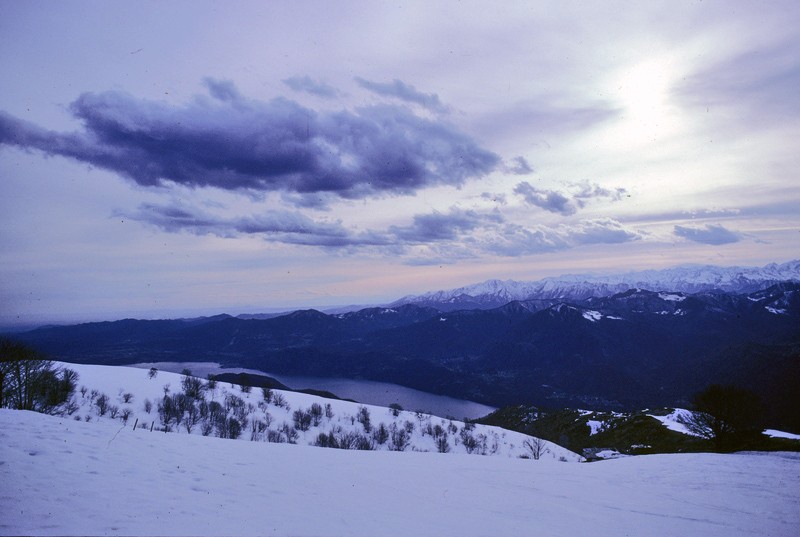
(629, 350)
(685, 279)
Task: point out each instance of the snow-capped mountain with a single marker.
(682, 279)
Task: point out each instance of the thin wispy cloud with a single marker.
(314, 87)
(459, 233)
(713, 234)
(405, 92)
(519, 166)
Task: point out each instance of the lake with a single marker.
(363, 391)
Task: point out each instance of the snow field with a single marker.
(116, 381)
(60, 476)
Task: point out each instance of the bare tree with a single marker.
(536, 447)
(29, 381)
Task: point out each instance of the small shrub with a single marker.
(381, 434)
(289, 433)
(326, 440)
(279, 401)
(395, 409)
(152, 373)
(400, 438)
(275, 437)
(127, 397)
(71, 407)
(364, 418)
(316, 414)
(102, 404)
(302, 419)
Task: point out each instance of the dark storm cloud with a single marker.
(309, 85)
(234, 143)
(566, 203)
(710, 234)
(405, 92)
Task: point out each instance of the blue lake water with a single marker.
(363, 391)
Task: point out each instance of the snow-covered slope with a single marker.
(63, 477)
(275, 421)
(685, 279)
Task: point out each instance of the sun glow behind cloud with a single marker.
(643, 93)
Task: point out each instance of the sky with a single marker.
(162, 159)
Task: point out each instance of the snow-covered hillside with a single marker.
(686, 279)
(63, 477)
(290, 417)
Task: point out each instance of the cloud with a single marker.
(223, 90)
(513, 240)
(549, 200)
(566, 203)
(430, 238)
(544, 118)
(710, 234)
(500, 199)
(449, 226)
(759, 86)
(600, 231)
(275, 226)
(233, 143)
(584, 191)
(314, 87)
(405, 92)
(519, 166)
